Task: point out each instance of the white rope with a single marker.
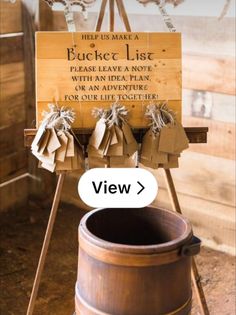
(225, 9)
(161, 6)
(69, 16)
(166, 18)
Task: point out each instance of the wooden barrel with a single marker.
(134, 262)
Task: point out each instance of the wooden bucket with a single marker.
(134, 262)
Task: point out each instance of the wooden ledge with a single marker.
(194, 134)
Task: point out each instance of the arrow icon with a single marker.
(141, 188)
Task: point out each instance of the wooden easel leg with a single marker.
(112, 14)
(46, 242)
(194, 274)
(196, 279)
(101, 16)
(123, 14)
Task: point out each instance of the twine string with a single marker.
(160, 116)
(60, 118)
(115, 115)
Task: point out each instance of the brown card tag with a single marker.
(146, 148)
(173, 161)
(148, 163)
(117, 149)
(98, 134)
(94, 152)
(107, 144)
(47, 157)
(70, 150)
(44, 142)
(53, 142)
(181, 139)
(131, 148)
(117, 160)
(155, 144)
(61, 152)
(160, 158)
(105, 141)
(49, 167)
(97, 161)
(64, 166)
(129, 162)
(122, 162)
(129, 138)
(38, 138)
(76, 161)
(167, 139)
(114, 139)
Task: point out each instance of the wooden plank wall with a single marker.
(42, 183)
(13, 155)
(17, 110)
(205, 181)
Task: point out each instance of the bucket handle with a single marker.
(192, 248)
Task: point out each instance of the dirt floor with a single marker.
(22, 234)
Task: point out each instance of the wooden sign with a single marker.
(87, 70)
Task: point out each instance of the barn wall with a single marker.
(205, 181)
(19, 170)
(13, 155)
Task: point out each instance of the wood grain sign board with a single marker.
(87, 70)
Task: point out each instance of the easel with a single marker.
(195, 135)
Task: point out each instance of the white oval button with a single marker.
(117, 188)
